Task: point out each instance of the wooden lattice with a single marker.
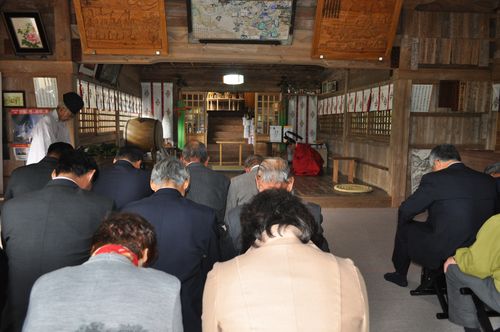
(376, 124)
(331, 124)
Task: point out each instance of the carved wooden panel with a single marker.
(355, 29)
(122, 26)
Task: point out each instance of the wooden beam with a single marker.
(440, 74)
(399, 141)
(63, 31)
(48, 68)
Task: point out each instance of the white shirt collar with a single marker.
(64, 178)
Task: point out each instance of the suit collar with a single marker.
(168, 192)
(62, 182)
(195, 164)
(457, 165)
(124, 163)
(277, 241)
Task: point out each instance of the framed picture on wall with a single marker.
(88, 69)
(27, 33)
(108, 73)
(13, 99)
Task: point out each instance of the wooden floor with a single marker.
(319, 190)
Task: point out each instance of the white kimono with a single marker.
(47, 131)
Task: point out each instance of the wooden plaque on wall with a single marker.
(122, 27)
(355, 29)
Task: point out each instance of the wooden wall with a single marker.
(373, 154)
(18, 72)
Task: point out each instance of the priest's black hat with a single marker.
(73, 102)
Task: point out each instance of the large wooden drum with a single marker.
(144, 133)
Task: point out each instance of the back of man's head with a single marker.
(56, 149)
(130, 153)
(75, 162)
(253, 160)
(444, 153)
(274, 173)
(195, 151)
(169, 169)
(493, 170)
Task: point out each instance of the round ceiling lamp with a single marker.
(233, 79)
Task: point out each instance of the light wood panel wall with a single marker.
(459, 129)
(444, 38)
(374, 164)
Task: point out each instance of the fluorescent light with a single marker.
(233, 79)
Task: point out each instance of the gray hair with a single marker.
(444, 152)
(195, 149)
(253, 160)
(492, 169)
(274, 170)
(169, 169)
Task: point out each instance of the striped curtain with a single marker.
(157, 103)
(303, 117)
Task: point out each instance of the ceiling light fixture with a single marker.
(233, 79)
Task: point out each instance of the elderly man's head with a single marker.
(493, 170)
(195, 151)
(443, 156)
(170, 173)
(274, 173)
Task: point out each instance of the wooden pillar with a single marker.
(346, 125)
(399, 141)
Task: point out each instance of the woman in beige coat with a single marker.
(283, 282)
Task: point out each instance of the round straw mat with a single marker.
(352, 188)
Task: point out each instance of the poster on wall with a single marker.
(495, 97)
(46, 91)
(421, 97)
(20, 151)
(23, 122)
(275, 134)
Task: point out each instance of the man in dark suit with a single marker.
(125, 181)
(187, 244)
(206, 186)
(48, 229)
(35, 176)
(458, 201)
(273, 173)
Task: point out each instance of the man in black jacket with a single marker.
(48, 229)
(458, 201)
(187, 243)
(125, 181)
(35, 176)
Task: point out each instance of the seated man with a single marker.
(273, 173)
(48, 229)
(109, 292)
(187, 244)
(125, 181)
(206, 186)
(283, 282)
(35, 176)
(458, 200)
(243, 188)
(478, 268)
